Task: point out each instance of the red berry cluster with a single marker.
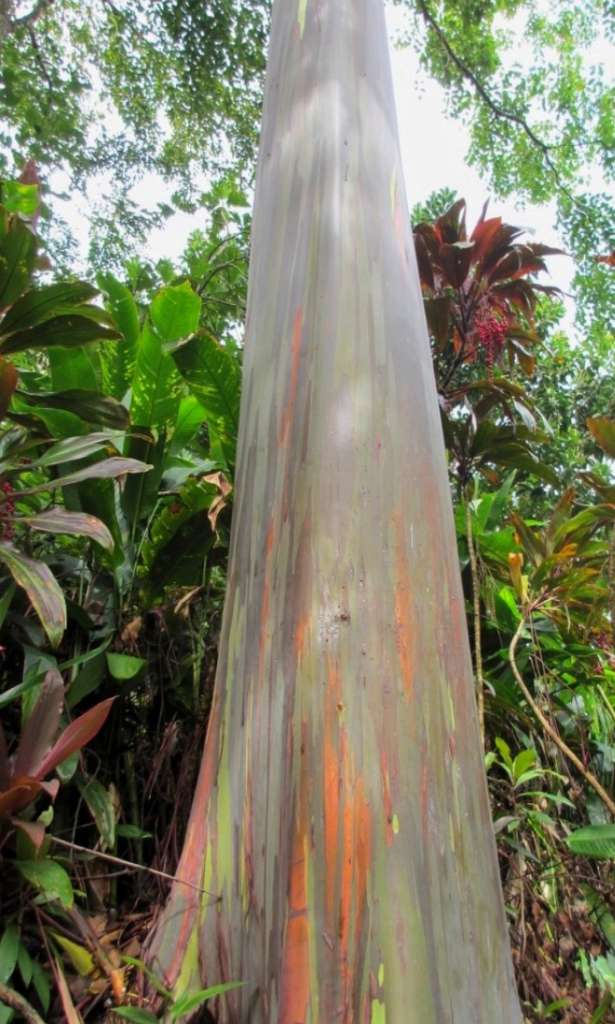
(7, 510)
(491, 335)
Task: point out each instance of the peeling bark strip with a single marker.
(342, 812)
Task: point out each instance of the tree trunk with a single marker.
(341, 819)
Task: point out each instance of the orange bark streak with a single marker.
(289, 408)
(295, 996)
(386, 799)
(331, 815)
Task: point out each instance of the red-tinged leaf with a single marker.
(41, 587)
(41, 727)
(423, 261)
(602, 429)
(34, 830)
(451, 226)
(105, 470)
(455, 261)
(20, 793)
(438, 313)
(8, 383)
(483, 234)
(499, 243)
(79, 524)
(76, 736)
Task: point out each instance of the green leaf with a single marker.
(117, 358)
(38, 304)
(50, 877)
(149, 974)
(135, 1014)
(132, 832)
(80, 957)
(102, 809)
(155, 384)
(593, 841)
(90, 406)
(73, 448)
(185, 1004)
(214, 378)
(40, 980)
(18, 197)
(175, 312)
(25, 964)
(41, 587)
(124, 666)
(68, 330)
(504, 751)
(17, 258)
(104, 470)
(79, 524)
(522, 762)
(9, 951)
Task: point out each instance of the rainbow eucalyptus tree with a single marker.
(340, 825)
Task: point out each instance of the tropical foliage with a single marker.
(119, 397)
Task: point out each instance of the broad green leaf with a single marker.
(79, 524)
(102, 808)
(214, 378)
(522, 762)
(127, 831)
(41, 587)
(135, 1014)
(18, 197)
(185, 1004)
(9, 951)
(593, 841)
(49, 877)
(42, 987)
(87, 680)
(73, 448)
(107, 469)
(72, 368)
(124, 666)
(504, 751)
(190, 416)
(90, 406)
(175, 312)
(80, 957)
(117, 358)
(39, 304)
(18, 248)
(122, 306)
(155, 383)
(25, 964)
(67, 330)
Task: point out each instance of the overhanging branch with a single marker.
(496, 108)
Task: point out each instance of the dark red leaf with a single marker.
(76, 736)
(41, 727)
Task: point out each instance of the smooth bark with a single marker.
(341, 819)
